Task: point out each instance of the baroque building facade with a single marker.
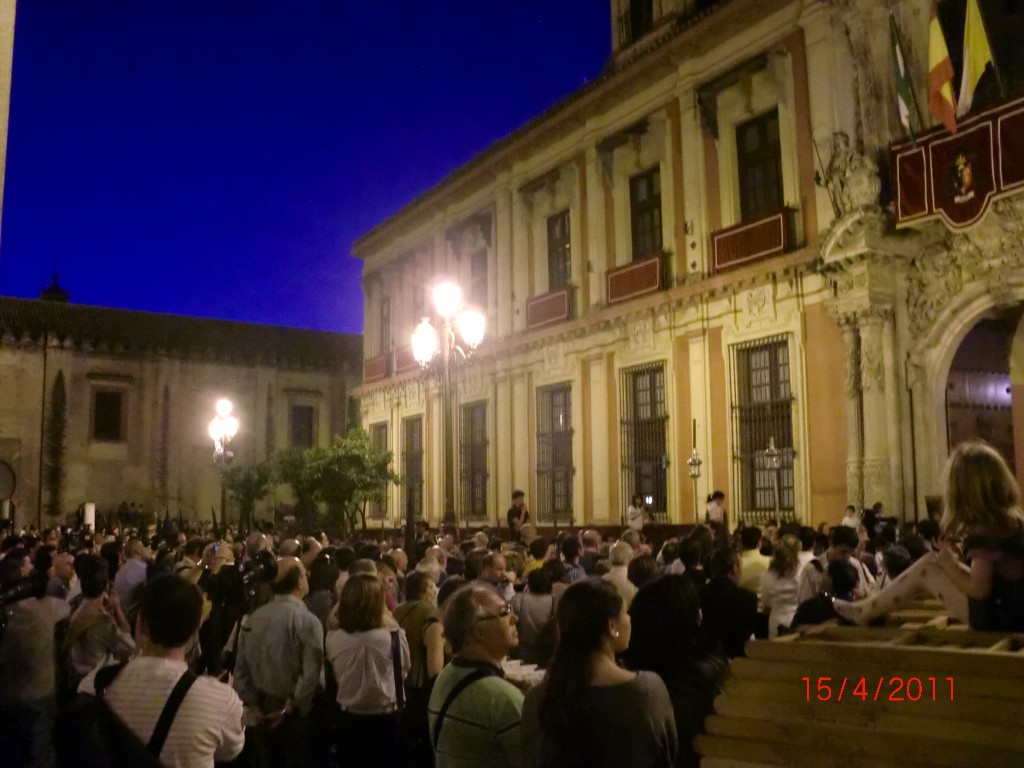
(704, 249)
(139, 391)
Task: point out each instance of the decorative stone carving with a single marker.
(757, 301)
(851, 178)
(872, 368)
(854, 482)
(876, 481)
(852, 378)
(641, 335)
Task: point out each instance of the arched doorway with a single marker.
(980, 397)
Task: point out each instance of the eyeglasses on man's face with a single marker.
(504, 611)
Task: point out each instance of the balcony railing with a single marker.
(376, 368)
(552, 307)
(637, 278)
(751, 241)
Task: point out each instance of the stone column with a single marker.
(877, 469)
(855, 412)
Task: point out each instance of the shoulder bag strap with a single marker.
(463, 684)
(163, 725)
(396, 663)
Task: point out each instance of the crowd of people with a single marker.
(183, 649)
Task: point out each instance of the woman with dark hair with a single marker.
(589, 712)
(363, 655)
(535, 609)
(323, 580)
(667, 639)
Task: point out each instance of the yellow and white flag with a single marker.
(977, 55)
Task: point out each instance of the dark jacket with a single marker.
(730, 614)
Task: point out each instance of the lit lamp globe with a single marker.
(424, 342)
(447, 299)
(471, 325)
(230, 427)
(224, 408)
(217, 429)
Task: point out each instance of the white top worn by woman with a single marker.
(635, 517)
(363, 668)
(778, 600)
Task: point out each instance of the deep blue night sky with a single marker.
(218, 157)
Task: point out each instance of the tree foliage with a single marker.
(246, 486)
(56, 428)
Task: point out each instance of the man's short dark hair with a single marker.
(896, 560)
(750, 537)
(717, 496)
(171, 607)
(193, 548)
(570, 549)
(517, 494)
(538, 548)
(690, 552)
(843, 535)
(416, 585)
(93, 574)
(843, 576)
(289, 583)
(723, 560)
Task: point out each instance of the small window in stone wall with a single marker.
(303, 426)
(108, 416)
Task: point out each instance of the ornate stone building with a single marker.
(139, 391)
(704, 249)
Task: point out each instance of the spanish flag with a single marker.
(977, 55)
(940, 76)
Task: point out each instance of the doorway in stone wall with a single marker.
(980, 391)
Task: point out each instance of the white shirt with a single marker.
(635, 518)
(363, 668)
(715, 512)
(852, 521)
(208, 725)
(778, 600)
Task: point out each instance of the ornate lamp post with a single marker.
(694, 463)
(773, 462)
(222, 430)
(429, 345)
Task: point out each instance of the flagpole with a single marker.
(913, 91)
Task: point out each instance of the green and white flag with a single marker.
(904, 89)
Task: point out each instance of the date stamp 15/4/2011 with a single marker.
(880, 689)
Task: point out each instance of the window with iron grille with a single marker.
(473, 463)
(645, 213)
(379, 438)
(384, 343)
(412, 467)
(303, 426)
(762, 410)
(559, 255)
(759, 159)
(643, 442)
(554, 454)
(478, 280)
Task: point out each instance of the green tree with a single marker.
(53, 446)
(353, 472)
(246, 486)
(300, 470)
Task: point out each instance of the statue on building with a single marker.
(851, 178)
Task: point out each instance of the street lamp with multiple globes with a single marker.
(427, 346)
(223, 429)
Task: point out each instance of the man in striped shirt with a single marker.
(208, 724)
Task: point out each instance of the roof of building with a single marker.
(123, 331)
(687, 34)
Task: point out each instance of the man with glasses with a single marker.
(474, 712)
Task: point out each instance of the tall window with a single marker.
(418, 301)
(478, 280)
(379, 439)
(636, 21)
(384, 345)
(554, 453)
(643, 424)
(762, 410)
(473, 464)
(759, 159)
(645, 213)
(302, 428)
(412, 466)
(108, 412)
(559, 261)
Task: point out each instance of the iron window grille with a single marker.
(473, 461)
(645, 213)
(643, 438)
(759, 158)
(559, 253)
(555, 468)
(378, 510)
(762, 410)
(412, 466)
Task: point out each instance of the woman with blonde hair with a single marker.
(779, 587)
(982, 504)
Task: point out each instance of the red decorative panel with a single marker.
(636, 278)
(549, 308)
(375, 368)
(751, 240)
(957, 176)
(404, 361)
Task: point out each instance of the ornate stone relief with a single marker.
(877, 481)
(757, 302)
(872, 367)
(641, 335)
(851, 178)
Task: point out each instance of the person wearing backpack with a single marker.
(206, 724)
